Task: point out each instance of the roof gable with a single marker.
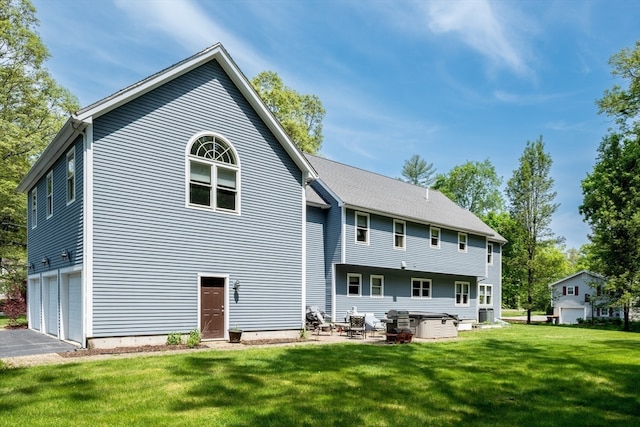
(77, 122)
(594, 276)
(361, 189)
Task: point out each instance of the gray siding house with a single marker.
(179, 203)
(392, 245)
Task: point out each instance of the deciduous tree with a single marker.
(611, 202)
(32, 109)
(474, 186)
(300, 115)
(530, 193)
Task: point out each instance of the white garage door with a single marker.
(74, 318)
(50, 305)
(571, 315)
(34, 303)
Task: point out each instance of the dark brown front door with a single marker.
(212, 307)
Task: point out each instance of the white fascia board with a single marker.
(58, 146)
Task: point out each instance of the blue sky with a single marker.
(452, 81)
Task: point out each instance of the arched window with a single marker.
(213, 174)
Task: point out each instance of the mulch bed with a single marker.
(125, 350)
(165, 347)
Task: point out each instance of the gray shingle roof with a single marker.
(361, 189)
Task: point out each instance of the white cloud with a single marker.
(483, 27)
(191, 26)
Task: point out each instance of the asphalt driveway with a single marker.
(25, 342)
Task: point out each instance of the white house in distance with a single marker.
(581, 296)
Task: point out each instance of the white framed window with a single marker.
(485, 295)
(34, 207)
(354, 285)
(362, 228)
(462, 242)
(71, 175)
(377, 286)
(570, 290)
(399, 234)
(49, 194)
(489, 253)
(213, 174)
(462, 294)
(434, 237)
(420, 288)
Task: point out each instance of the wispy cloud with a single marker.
(528, 99)
(191, 26)
(483, 27)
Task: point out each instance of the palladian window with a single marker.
(213, 174)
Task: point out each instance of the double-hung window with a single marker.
(485, 295)
(377, 286)
(399, 234)
(462, 242)
(421, 288)
(462, 294)
(362, 228)
(49, 194)
(71, 175)
(354, 285)
(489, 253)
(34, 207)
(213, 174)
(435, 237)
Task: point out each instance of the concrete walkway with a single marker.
(25, 342)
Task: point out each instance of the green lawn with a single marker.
(516, 313)
(520, 375)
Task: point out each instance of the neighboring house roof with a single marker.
(589, 273)
(76, 124)
(361, 189)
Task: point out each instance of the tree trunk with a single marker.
(625, 310)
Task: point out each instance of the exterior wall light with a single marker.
(65, 255)
(45, 261)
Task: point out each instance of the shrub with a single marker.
(174, 338)
(194, 338)
(15, 304)
(580, 320)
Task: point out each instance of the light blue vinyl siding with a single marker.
(316, 278)
(418, 255)
(494, 278)
(64, 229)
(397, 293)
(149, 247)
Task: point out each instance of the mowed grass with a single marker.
(534, 375)
(4, 321)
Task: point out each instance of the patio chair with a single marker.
(357, 326)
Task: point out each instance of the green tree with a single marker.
(474, 186)
(32, 107)
(530, 193)
(610, 206)
(513, 256)
(300, 115)
(611, 190)
(417, 171)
